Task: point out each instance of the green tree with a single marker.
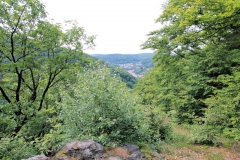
(36, 56)
(196, 57)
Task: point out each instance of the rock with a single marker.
(82, 150)
(91, 150)
(40, 157)
(158, 155)
(114, 158)
(135, 152)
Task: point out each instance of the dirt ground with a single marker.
(198, 152)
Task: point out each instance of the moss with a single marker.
(62, 154)
(146, 150)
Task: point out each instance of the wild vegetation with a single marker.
(52, 93)
(196, 75)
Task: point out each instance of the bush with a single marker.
(101, 107)
(16, 148)
(158, 128)
(202, 134)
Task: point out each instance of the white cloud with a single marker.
(120, 25)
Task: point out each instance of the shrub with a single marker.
(101, 107)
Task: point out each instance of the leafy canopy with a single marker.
(36, 57)
(196, 64)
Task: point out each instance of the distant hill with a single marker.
(135, 64)
(125, 76)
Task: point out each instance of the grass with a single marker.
(214, 156)
(146, 150)
(181, 146)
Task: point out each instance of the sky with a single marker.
(121, 26)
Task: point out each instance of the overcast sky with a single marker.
(121, 26)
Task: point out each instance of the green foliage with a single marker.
(45, 101)
(223, 112)
(36, 58)
(16, 148)
(203, 134)
(146, 150)
(158, 128)
(100, 106)
(196, 74)
(124, 75)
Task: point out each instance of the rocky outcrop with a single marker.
(82, 150)
(91, 150)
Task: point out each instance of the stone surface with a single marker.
(39, 157)
(91, 150)
(135, 152)
(82, 150)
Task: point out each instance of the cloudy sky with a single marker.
(121, 26)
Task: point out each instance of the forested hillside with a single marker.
(135, 64)
(125, 77)
(196, 75)
(186, 107)
(124, 58)
(195, 79)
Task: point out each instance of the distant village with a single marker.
(137, 70)
(135, 64)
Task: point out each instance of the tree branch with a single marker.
(19, 84)
(5, 95)
(13, 32)
(45, 91)
(49, 85)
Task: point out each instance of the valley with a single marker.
(135, 64)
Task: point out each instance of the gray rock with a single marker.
(87, 150)
(91, 150)
(114, 158)
(135, 152)
(39, 157)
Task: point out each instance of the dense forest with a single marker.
(52, 93)
(196, 75)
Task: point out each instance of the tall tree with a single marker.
(35, 56)
(196, 55)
